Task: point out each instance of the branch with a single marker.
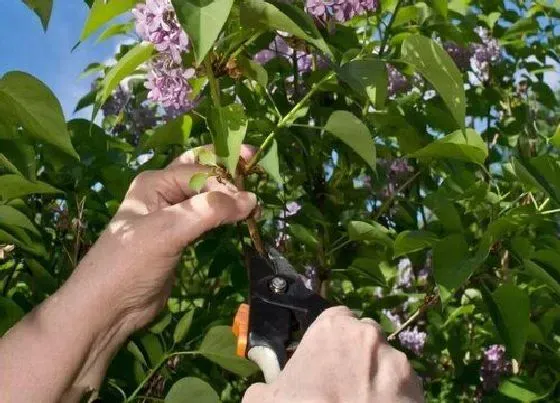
(429, 301)
(388, 29)
(385, 206)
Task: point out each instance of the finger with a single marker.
(189, 157)
(256, 393)
(337, 311)
(191, 218)
(371, 322)
(153, 190)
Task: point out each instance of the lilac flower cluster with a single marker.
(461, 55)
(398, 171)
(136, 118)
(339, 10)
(494, 366)
(484, 53)
(405, 273)
(169, 84)
(413, 340)
(167, 81)
(157, 23)
(116, 102)
(398, 82)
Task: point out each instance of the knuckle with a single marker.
(401, 364)
(142, 178)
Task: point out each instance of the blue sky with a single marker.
(24, 46)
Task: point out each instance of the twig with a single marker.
(385, 206)
(285, 121)
(429, 301)
(388, 29)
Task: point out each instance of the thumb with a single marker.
(188, 220)
(257, 393)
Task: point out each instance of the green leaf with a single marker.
(141, 53)
(440, 6)
(19, 157)
(253, 70)
(460, 311)
(303, 235)
(510, 314)
(219, 346)
(205, 156)
(92, 68)
(367, 77)
(447, 256)
(102, 12)
(29, 103)
(539, 273)
(363, 231)
(133, 349)
(524, 389)
(161, 324)
(271, 164)
(16, 186)
(282, 17)
(183, 326)
(467, 146)
(10, 217)
(152, 347)
(433, 62)
(229, 126)
(113, 30)
(197, 181)
(370, 268)
(354, 133)
(412, 241)
(445, 211)
(22, 240)
(43, 8)
(203, 21)
(174, 132)
(555, 139)
(10, 313)
(190, 390)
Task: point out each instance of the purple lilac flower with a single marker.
(280, 48)
(397, 81)
(425, 271)
(484, 53)
(400, 166)
(413, 340)
(116, 102)
(339, 10)
(168, 84)
(292, 208)
(157, 23)
(140, 119)
(461, 55)
(405, 273)
(494, 365)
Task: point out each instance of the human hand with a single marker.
(342, 359)
(134, 259)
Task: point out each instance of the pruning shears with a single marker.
(280, 309)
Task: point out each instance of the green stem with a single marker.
(383, 46)
(305, 126)
(214, 86)
(286, 120)
(153, 371)
(245, 44)
(385, 206)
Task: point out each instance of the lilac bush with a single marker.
(339, 10)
